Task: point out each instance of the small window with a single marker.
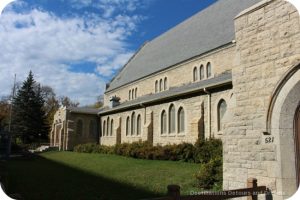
(201, 72)
(222, 108)
(135, 93)
(133, 124)
(160, 85)
(156, 86)
(208, 70)
(172, 118)
(181, 126)
(195, 74)
(139, 125)
(111, 127)
(104, 128)
(165, 83)
(129, 96)
(132, 94)
(79, 127)
(108, 127)
(163, 122)
(127, 126)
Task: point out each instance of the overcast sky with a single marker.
(77, 46)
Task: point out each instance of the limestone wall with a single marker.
(267, 47)
(86, 137)
(192, 106)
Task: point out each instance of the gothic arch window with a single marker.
(127, 126)
(208, 70)
(104, 128)
(163, 123)
(160, 85)
(165, 83)
(222, 108)
(138, 125)
(79, 127)
(172, 117)
(111, 127)
(156, 86)
(181, 120)
(133, 124)
(195, 74)
(129, 95)
(132, 94)
(108, 127)
(201, 72)
(92, 128)
(135, 93)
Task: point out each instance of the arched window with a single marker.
(181, 126)
(160, 85)
(163, 122)
(208, 70)
(111, 127)
(138, 125)
(172, 118)
(92, 128)
(135, 93)
(201, 72)
(133, 124)
(222, 107)
(127, 126)
(104, 128)
(108, 127)
(129, 95)
(165, 83)
(156, 86)
(132, 94)
(79, 127)
(195, 74)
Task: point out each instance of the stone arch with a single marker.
(280, 124)
(214, 114)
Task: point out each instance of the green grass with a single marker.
(69, 175)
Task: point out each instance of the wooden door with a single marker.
(297, 141)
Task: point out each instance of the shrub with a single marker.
(85, 148)
(205, 150)
(202, 152)
(210, 174)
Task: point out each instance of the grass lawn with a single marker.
(78, 176)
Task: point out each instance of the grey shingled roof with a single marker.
(209, 29)
(84, 110)
(221, 80)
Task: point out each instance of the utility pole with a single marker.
(9, 136)
(11, 100)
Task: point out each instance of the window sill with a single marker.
(181, 135)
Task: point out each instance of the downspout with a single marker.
(145, 114)
(209, 110)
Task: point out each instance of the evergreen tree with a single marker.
(28, 115)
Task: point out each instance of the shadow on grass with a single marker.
(41, 179)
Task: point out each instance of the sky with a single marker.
(77, 46)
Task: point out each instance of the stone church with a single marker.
(231, 71)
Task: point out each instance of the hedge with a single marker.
(201, 152)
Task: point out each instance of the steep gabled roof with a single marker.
(207, 30)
